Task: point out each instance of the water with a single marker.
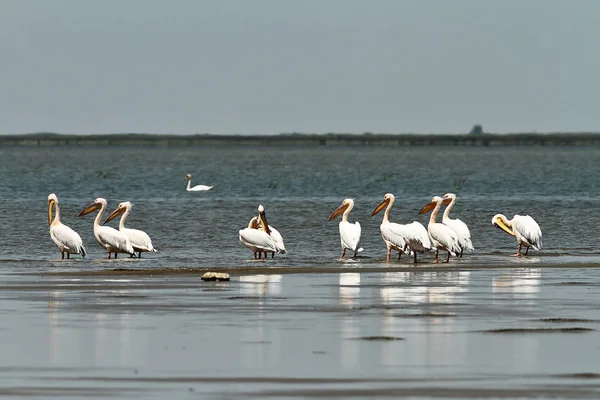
(295, 325)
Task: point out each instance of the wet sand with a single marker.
(332, 332)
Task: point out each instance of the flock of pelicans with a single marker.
(451, 235)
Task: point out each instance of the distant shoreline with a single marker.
(296, 139)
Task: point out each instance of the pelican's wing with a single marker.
(462, 232)
(529, 229)
(66, 237)
(139, 239)
(258, 239)
(417, 236)
(115, 239)
(276, 236)
(393, 233)
(350, 235)
(445, 236)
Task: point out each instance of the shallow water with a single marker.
(297, 325)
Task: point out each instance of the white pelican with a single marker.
(258, 236)
(442, 236)
(109, 238)
(196, 188)
(400, 237)
(523, 228)
(349, 233)
(67, 240)
(461, 229)
(139, 239)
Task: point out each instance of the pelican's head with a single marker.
(500, 221)
(188, 177)
(96, 205)
(346, 204)
(435, 200)
(52, 200)
(262, 218)
(448, 197)
(121, 208)
(387, 199)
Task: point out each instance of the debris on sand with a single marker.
(215, 276)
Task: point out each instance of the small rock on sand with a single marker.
(215, 276)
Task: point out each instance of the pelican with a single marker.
(523, 228)
(109, 238)
(67, 240)
(349, 233)
(400, 237)
(196, 188)
(258, 236)
(139, 239)
(442, 236)
(461, 229)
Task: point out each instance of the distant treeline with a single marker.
(303, 139)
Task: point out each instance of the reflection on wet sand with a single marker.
(260, 285)
(349, 286)
(523, 283)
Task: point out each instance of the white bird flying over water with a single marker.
(410, 237)
(67, 240)
(196, 188)
(349, 233)
(442, 236)
(461, 229)
(140, 240)
(523, 228)
(109, 238)
(259, 238)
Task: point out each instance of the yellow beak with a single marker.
(341, 208)
(501, 225)
(90, 208)
(50, 205)
(264, 223)
(114, 214)
(427, 208)
(380, 206)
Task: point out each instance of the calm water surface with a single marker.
(298, 325)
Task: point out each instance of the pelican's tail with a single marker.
(83, 251)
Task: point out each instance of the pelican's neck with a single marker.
(386, 214)
(99, 216)
(448, 209)
(189, 184)
(123, 217)
(347, 212)
(56, 219)
(505, 220)
(434, 213)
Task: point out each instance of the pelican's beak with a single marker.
(114, 214)
(446, 202)
(90, 208)
(427, 208)
(499, 224)
(263, 220)
(380, 206)
(50, 205)
(341, 208)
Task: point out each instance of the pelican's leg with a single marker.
(461, 251)
(108, 255)
(344, 253)
(115, 254)
(526, 250)
(448, 259)
(415, 257)
(518, 251)
(389, 254)
(69, 255)
(436, 256)
(62, 255)
(273, 254)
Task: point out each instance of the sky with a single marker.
(312, 66)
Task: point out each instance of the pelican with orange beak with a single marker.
(140, 240)
(523, 228)
(68, 241)
(349, 233)
(109, 238)
(462, 230)
(403, 238)
(259, 238)
(442, 236)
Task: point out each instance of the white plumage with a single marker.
(442, 236)
(111, 239)
(524, 228)
(260, 237)
(462, 230)
(196, 188)
(349, 232)
(140, 241)
(67, 240)
(408, 238)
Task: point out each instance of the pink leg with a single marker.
(436, 257)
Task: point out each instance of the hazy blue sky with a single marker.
(270, 66)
